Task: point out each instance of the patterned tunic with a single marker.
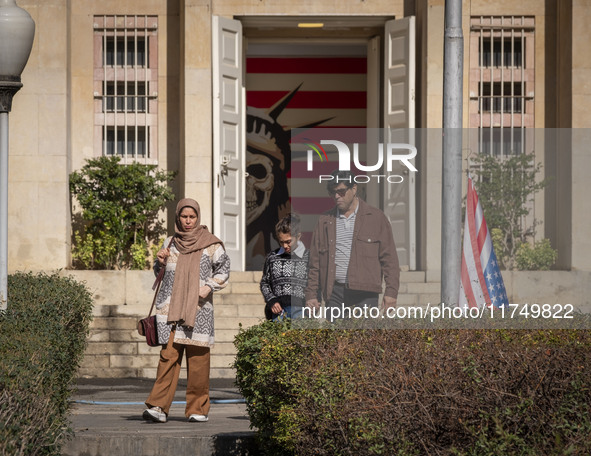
(215, 272)
(284, 278)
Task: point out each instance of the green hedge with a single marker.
(42, 340)
(415, 392)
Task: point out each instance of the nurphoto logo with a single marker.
(393, 152)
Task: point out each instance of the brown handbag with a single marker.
(147, 326)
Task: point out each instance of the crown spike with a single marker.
(276, 110)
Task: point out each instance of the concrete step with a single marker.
(420, 288)
(240, 299)
(248, 297)
(223, 348)
(228, 443)
(106, 419)
(115, 349)
(136, 297)
(412, 276)
(150, 372)
(220, 369)
(145, 361)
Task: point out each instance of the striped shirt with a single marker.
(345, 226)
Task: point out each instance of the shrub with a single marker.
(415, 392)
(506, 186)
(120, 205)
(539, 257)
(42, 341)
(262, 375)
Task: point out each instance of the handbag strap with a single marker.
(154, 300)
(158, 280)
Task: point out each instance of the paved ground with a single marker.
(107, 420)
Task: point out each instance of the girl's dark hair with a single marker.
(290, 224)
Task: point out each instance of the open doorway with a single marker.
(331, 77)
(291, 85)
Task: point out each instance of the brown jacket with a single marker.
(373, 255)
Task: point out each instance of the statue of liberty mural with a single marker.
(268, 163)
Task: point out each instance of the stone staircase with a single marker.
(116, 350)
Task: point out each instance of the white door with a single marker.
(399, 122)
(229, 138)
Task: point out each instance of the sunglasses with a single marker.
(341, 192)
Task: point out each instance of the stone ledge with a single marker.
(112, 348)
(242, 443)
(114, 323)
(423, 287)
(108, 372)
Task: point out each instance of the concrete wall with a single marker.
(38, 208)
(196, 105)
(52, 122)
(581, 119)
(126, 293)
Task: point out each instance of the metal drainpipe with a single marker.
(451, 213)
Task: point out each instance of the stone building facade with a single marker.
(137, 78)
(208, 88)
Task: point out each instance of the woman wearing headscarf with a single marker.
(196, 265)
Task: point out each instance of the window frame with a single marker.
(126, 87)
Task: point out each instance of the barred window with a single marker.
(500, 97)
(125, 97)
(133, 141)
(126, 87)
(125, 51)
(501, 82)
(501, 141)
(497, 52)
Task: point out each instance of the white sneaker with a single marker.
(200, 418)
(154, 414)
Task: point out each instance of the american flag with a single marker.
(482, 283)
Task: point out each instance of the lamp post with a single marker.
(17, 31)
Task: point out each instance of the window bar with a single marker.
(135, 82)
(481, 99)
(105, 95)
(512, 71)
(513, 100)
(523, 93)
(492, 90)
(147, 83)
(125, 65)
(502, 99)
(115, 91)
(523, 219)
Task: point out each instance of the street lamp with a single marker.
(17, 31)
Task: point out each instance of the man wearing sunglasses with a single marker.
(352, 250)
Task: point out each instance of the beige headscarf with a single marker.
(184, 302)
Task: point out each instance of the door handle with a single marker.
(224, 165)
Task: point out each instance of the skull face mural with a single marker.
(268, 157)
(268, 162)
(259, 185)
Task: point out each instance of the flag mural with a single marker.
(296, 86)
(481, 281)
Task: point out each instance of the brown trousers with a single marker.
(167, 376)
